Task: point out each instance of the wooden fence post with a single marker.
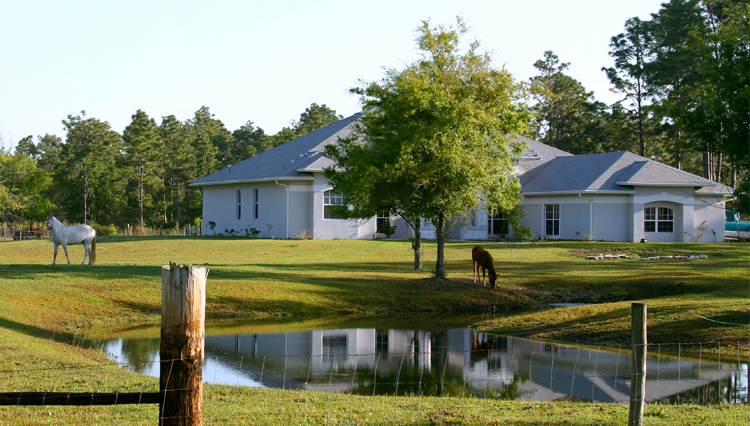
(638, 357)
(183, 312)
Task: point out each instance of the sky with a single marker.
(263, 61)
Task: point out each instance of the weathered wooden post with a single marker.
(638, 357)
(183, 313)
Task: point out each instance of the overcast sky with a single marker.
(262, 61)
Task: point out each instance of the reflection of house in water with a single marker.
(453, 362)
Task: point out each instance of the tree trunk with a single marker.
(440, 235)
(641, 142)
(85, 190)
(707, 163)
(417, 245)
(187, 202)
(140, 197)
(177, 217)
(719, 167)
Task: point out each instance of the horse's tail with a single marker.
(92, 255)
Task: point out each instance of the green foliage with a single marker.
(388, 228)
(434, 141)
(522, 233)
(566, 114)
(144, 162)
(628, 76)
(89, 187)
(105, 230)
(22, 187)
(314, 117)
(701, 73)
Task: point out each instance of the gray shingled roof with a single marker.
(534, 156)
(542, 168)
(286, 161)
(612, 171)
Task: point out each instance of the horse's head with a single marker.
(50, 221)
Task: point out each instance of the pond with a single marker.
(442, 361)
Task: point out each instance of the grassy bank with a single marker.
(276, 280)
(49, 365)
(45, 310)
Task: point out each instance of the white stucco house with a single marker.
(616, 196)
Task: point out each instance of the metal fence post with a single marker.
(183, 313)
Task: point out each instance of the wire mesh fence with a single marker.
(511, 368)
(500, 368)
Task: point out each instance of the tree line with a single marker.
(139, 177)
(682, 75)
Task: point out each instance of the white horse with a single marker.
(65, 235)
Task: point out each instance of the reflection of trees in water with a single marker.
(412, 380)
(139, 353)
(722, 391)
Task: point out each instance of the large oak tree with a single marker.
(436, 138)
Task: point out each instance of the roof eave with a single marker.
(590, 192)
(672, 184)
(234, 182)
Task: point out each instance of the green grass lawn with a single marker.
(45, 310)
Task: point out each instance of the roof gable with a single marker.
(289, 160)
(606, 172)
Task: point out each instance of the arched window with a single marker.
(658, 219)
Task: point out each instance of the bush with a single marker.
(106, 230)
(388, 229)
(252, 232)
(305, 234)
(523, 233)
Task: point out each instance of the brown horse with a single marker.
(483, 259)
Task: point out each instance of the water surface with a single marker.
(442, 361)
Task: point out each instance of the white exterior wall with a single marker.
(329, 229)
(220, 206)
(621, 217)
(711, 210)
(679, 199)
(286, 209)
(574, 216)
(612, 218)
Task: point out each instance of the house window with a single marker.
(239, 204)
(255, 203)
(552, 219)
(658, 219)
(383, 221)
(498, 225)
(333, 205)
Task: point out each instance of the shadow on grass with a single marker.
(41, 333)
(144, 308)
(578, 328)
(552, 281)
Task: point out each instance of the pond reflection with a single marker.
(449, 362)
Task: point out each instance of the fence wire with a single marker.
(544, 372)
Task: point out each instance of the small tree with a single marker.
(434, 139)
